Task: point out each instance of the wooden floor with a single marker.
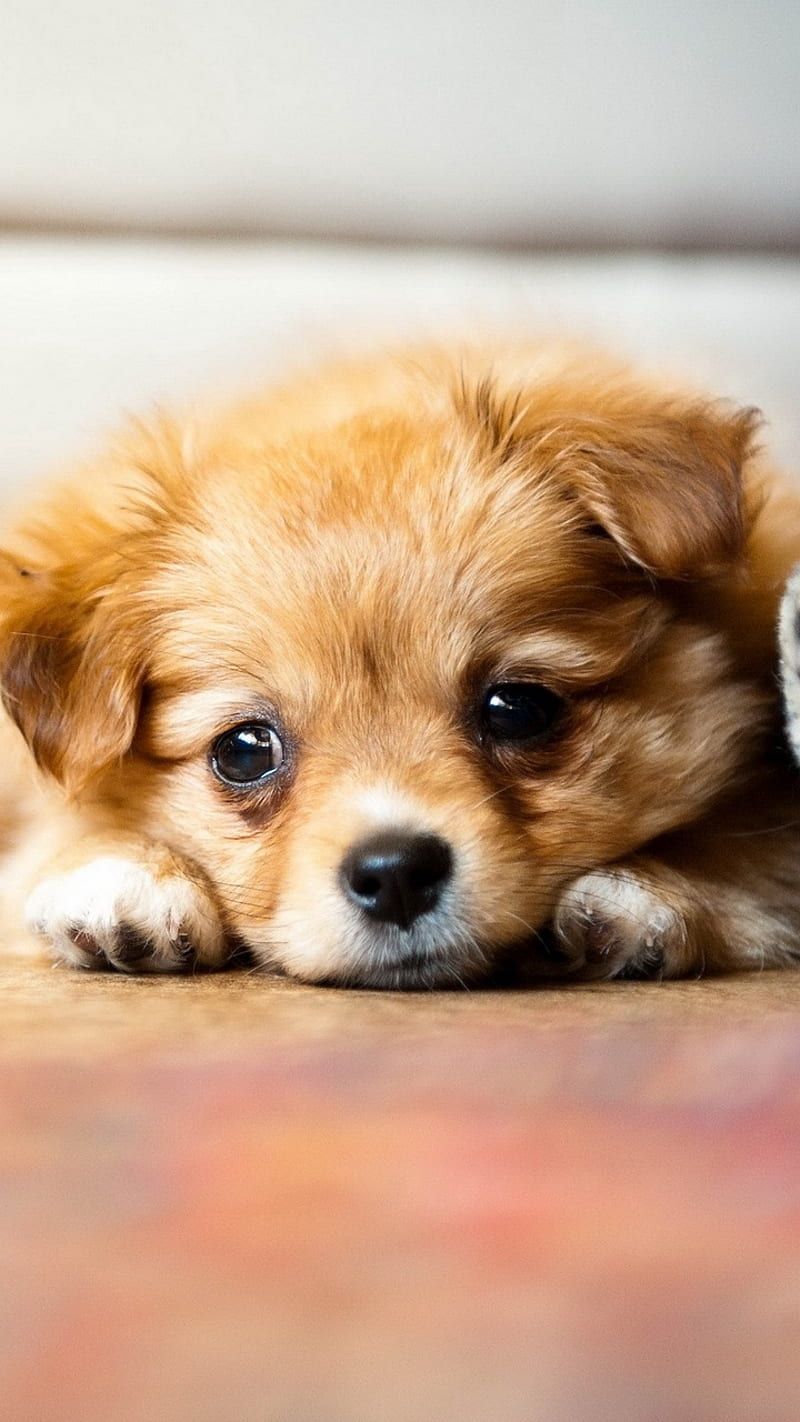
(232, 1197)
(71, 1013)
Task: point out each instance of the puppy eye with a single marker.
(519, 711)
(248, 754)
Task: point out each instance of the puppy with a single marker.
(405, 673)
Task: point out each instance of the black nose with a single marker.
(396, 877)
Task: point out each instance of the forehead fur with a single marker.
(414, 519)
(387, 538)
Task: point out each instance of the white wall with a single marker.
(589, 119)
(95, 328)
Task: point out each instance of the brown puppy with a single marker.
(386, 673)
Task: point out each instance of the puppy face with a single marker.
(393, 682)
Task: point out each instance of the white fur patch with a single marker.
(385, 807)
(609, 922)
(117, 912)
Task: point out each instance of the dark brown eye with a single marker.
(519, 711)
(247, 754)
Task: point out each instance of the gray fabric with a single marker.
(790, 660)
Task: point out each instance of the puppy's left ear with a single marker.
(70, 668)
(667, 486)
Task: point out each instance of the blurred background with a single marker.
(196, 196)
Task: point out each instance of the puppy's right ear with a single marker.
(70, 668)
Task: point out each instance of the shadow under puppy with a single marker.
(405, 670)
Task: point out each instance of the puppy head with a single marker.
(395, 681)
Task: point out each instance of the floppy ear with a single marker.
(70, 672)
(662, 476)
(667, 486)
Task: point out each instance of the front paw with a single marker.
(118, 913)
(610, 924)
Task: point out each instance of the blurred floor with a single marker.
(236, 1198)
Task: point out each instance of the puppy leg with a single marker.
(127, 904)
(650, 918)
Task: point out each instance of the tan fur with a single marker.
(359, 555)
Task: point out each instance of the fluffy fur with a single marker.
(356, 557)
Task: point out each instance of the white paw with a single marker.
(609, 924)
(115, 912)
